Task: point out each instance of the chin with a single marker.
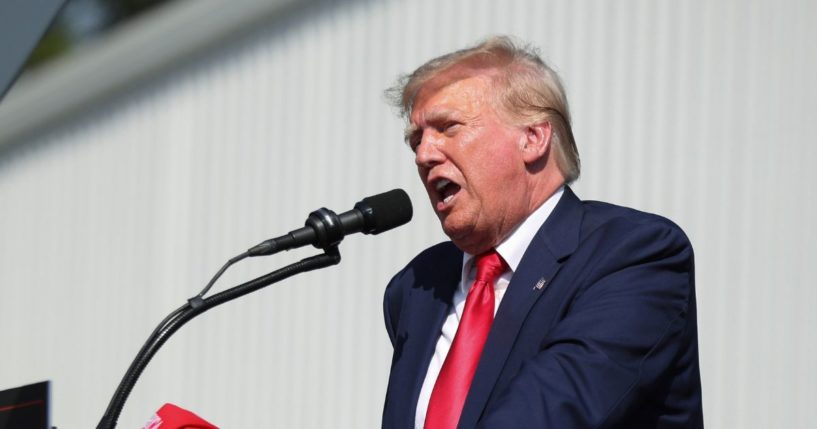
(452, 233)
(452, 228)
(465, 238)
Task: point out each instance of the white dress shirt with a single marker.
(511, 249)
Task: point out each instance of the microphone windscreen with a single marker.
(173, 417)
(385, 211)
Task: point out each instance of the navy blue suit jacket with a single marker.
(609, 340)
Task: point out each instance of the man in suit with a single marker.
(543, 311)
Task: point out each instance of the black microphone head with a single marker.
(385, 211)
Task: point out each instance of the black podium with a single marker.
(26, 407)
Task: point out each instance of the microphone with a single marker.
(174, 417)
(324, 228)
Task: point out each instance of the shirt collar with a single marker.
(513, 247)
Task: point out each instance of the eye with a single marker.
(450, 128)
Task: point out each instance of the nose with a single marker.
(428, 153)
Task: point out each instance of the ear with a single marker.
(537, 142)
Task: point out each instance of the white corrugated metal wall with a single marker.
(698, 110)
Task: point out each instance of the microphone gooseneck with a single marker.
(324, 229)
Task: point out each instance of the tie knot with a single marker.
(490, 266)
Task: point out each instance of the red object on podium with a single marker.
(173, 417)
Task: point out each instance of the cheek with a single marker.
(490, 162)
(497, 179)
(498, 162)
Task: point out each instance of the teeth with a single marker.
(448, 198)
(442, 184)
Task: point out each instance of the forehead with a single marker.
(469, 95)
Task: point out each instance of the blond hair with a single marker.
(526, 89)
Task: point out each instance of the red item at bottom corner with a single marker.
(173, 417)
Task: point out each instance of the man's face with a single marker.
(470, 161)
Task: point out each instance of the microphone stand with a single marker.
(194, 307)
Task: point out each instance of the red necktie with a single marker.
(451, 387)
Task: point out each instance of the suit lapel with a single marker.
(555, 240)
(430, 300)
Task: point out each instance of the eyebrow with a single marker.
(431, 117)
(410, 130)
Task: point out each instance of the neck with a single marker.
(544, 188)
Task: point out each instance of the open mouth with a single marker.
(446, 191)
